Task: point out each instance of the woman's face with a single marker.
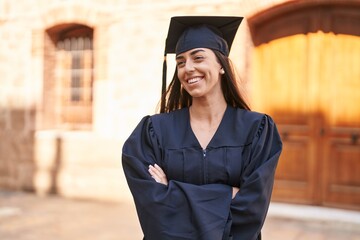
(199, 72)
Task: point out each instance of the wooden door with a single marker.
(306, 74)
(341, 163)
(280, 80)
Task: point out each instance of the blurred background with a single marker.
(77, 76)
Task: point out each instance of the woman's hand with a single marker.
(235, 191)
(158, 174)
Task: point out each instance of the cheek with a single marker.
(179, 72)
(181, 75)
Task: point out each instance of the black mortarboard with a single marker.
(188, 32)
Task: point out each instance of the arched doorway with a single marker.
(306, 74)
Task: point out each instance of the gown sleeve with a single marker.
(178, 211)
(250, 205)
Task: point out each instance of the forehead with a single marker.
(193, 52)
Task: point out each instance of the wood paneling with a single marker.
(309, 81)
(295, 176)
(341, 175)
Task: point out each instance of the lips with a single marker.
(194, 80)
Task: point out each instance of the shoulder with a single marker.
(168, 124)
(251, 121)
(247, 118)
(169, 115)
(169, 120)
(252, 116)
(247, 115)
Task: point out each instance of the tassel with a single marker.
(163, 87)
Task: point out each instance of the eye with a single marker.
(198, 58)
(180, 63)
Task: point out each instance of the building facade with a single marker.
(77, 76)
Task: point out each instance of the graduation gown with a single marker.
(197, 203)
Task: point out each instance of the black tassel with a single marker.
(163, 87)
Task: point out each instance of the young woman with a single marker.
(202, 169)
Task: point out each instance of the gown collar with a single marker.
(220, 133)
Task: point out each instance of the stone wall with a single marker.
(129, 38)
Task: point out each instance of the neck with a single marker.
(208, 111)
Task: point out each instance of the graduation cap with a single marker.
(188, 32)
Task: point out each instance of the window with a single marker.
(71, 62)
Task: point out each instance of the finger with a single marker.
(152, 171)
(155, 173)
(158, 174)
(156, 180)
(158, 171)
(157, 167)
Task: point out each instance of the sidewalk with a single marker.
(301, 222)
(25, 216)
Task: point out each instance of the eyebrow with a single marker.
(192, 53)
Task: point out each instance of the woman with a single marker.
(202, 169)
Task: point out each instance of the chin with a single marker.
(196, 95)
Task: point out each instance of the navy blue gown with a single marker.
(197, 204)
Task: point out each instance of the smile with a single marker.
(194, 80)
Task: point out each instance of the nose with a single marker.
(189, 66)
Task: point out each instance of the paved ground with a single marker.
(25, 216)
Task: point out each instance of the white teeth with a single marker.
(194, 80)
